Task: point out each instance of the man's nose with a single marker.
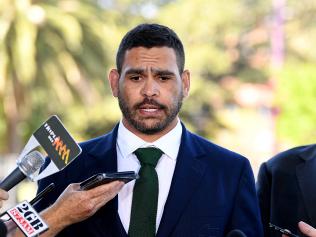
(150, 87)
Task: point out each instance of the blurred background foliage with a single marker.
(55, 56)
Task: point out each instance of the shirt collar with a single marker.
(169, 143)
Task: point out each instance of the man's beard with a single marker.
(130, 114)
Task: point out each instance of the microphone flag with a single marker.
(27, 219)
(59, 145)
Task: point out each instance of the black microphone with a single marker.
(3, 229)
(38, 197)
(236, 233)
(28, 165)
(43, 193)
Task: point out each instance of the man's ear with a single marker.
(114, 78)
(185, 82)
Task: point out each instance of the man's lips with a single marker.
(149, 109)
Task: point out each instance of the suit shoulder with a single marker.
(89, 144)
(217, 151)
(290, 156)
(290, 153)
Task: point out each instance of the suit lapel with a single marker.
(103, 154)
(104, 159)
(306, 175)
(187, 175)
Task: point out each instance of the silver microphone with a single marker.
(27, 167)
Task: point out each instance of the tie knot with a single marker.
(148, 155)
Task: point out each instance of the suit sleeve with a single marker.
(246, 213)
(264, 193)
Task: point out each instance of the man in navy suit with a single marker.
(204, 189)
(286, 190)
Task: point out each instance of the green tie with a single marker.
(145, 194)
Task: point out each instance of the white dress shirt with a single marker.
(127, 143)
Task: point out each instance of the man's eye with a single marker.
(135, 78)
(164, 78)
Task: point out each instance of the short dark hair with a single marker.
(148, 36)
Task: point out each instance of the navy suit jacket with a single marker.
(212, 191)
(286, 189)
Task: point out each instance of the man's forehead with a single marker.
(154, 48)
(141, 54)
(150, 59)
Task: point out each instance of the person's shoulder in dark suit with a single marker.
(288, 157)
(278, 189)
(218, 152)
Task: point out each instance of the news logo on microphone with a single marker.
(27, 219)
(60, 147)
(57, 142)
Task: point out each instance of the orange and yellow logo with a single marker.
(62, 150)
